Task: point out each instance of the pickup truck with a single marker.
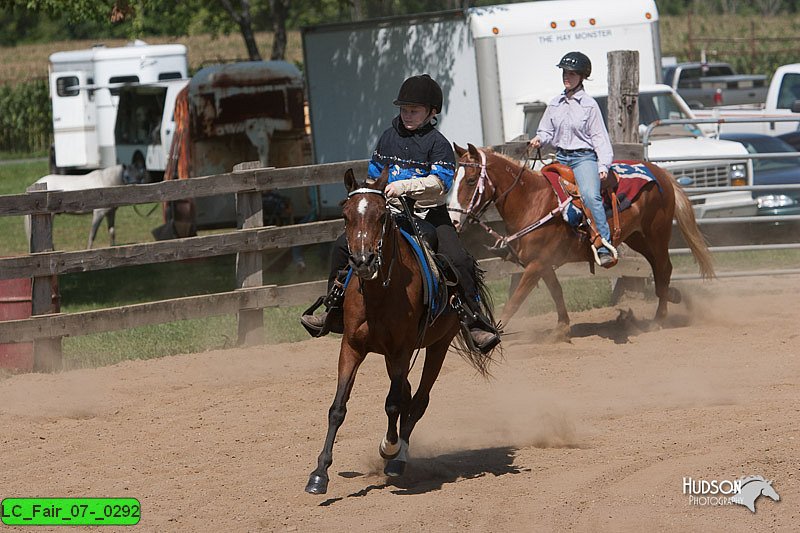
(782, 101)
(704, 85)
(660, 102)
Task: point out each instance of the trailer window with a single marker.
(121, 79)
(67, 86)
(169, 76)
(139, 116)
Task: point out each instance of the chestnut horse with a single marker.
(384, 312)
(524, 197)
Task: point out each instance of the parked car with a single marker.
(780, 171)
(792, 138)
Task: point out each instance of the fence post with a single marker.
(249, 269)
(47, 355)
(623, 96)
(623, 127)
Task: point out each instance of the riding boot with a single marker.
(332, 319)
(482, 333)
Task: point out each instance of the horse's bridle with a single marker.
(379, 250)
(477, 198)
(483, 181)
(480, 187)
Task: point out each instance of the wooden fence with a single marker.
(46, 327)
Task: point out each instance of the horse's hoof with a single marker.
(388, 450)
(317, 484)
(562, 333)
(395, 468)
(674, 295)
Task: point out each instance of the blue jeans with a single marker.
(587, 176)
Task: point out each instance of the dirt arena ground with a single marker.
(593, 435)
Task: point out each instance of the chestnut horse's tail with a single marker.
(691, 233)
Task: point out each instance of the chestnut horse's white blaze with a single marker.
(458, 217)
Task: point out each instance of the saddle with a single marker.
(438, 273)
(608, 188)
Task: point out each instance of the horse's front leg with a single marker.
(530, 276)
(97, 218)
(556, 292)
(434, 358)
(397, 402)
(349, 361)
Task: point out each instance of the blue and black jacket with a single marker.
(413, 154)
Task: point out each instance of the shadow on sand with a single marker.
(620, 330)
(428, 474)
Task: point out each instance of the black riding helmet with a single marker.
(420, 90)
(576, 62)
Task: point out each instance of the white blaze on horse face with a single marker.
(361, 236)
(455, 216)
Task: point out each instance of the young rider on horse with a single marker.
(421, 166)
(573, 124)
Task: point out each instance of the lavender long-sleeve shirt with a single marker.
(575, 123)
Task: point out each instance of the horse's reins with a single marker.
(477, 197)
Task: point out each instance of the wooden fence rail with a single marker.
(46, 327)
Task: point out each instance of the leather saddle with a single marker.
(608, 188)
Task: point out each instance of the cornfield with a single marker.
(25, 120)
(752, 45)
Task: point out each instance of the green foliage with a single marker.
(25, 121)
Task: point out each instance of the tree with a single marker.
(244, 20)
(280, 11)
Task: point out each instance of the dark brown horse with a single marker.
(384, 312)
(524, 197)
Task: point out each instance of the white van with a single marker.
(84, 88)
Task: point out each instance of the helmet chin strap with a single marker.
(574, 90)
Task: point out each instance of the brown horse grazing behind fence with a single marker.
(384, 312)
(524, 197)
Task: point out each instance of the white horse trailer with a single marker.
(84, 88)
(492, 62)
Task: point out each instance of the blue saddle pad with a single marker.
(430, 279)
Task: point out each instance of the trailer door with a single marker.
(74, 120)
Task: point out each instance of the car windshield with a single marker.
(657, 106)
(766, 145)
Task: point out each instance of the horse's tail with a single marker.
(463, 343)
(691, 233)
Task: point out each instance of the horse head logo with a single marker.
(752, 488)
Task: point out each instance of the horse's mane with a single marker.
(512, 160)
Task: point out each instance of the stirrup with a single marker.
(312, 330)
(489, 344)
(470, 320)
(614, 254)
